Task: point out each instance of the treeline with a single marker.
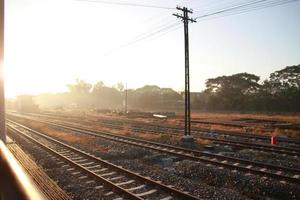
(243, 91)
(82, 94)
(238, 92)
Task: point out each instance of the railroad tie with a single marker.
(48, 155)
(119, 198)
(100, 170)
(63, 152)
(167, 198)
(116, 178)
(69, 156)
(77, 158)
(98, 187)
(81, 160)
(92, 167)
(108, 174)
(125, 183)
(296, 176)
(146, 193)
(89, 163)
(136, 188)
(284, 182)
(91, 181)
(109, 194)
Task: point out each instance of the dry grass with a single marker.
(149, 136)
(293, 118)
(60, 134)
(203, 142)
(225, 117)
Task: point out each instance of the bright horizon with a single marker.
(50, 43)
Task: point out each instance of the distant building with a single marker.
(25, 103)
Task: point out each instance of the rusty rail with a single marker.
(14, 182)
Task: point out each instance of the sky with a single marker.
(50, 43)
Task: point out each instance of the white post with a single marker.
(2, 100)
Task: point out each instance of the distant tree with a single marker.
(242, 91)
(98, 86)
(282, 90)
(80, 93)
(154, 97)
(147, 96)
(231, 92)
(285, 79)
(106, 97)
(120, 86)
(169, 95)
(80, 86)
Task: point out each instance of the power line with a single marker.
(215, 5)
(233, 10)
(244, 10)
(165, 32)
(128, 4)
(155, 29)
(145, 36)
(247, 7)
(152, 34)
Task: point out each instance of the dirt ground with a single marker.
(267, 124)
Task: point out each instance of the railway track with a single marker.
(230, 142)
(202, 131)
(237, 144)
(176, 129)
(235, 164)
(93, 169)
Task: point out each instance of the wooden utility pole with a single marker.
(187, 109)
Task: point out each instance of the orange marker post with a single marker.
(273, 140)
